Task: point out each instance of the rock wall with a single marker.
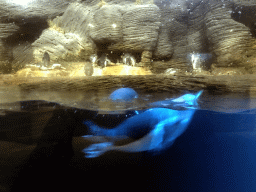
(6, 30)
(112, 27)
(141, 27)
(228, 38)
(23, 13)
(162, 30)
(105, 25)
(125, 28)
(20, 26)
(57, 44)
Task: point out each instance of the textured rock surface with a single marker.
(18, 13)
(227, 37)
(20, 26)
(165, 29)
(141, 27)
(74, 20)
(22, 54)
(6, 30)
(146, 58)
(105, 25)
(57, 44)
(125, 28)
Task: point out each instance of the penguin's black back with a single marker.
(102, 60)
(128, 58)
(46, 59)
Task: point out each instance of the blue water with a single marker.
(214, 151)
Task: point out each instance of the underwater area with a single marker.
(119, 95)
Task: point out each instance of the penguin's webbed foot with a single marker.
(96, 150)
(94, 129)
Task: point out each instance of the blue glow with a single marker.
(156, 128)
(126, 94)
(163, 127)
(187, 101)
(95, 150)
(168, 130)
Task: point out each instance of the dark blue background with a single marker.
(216, 153)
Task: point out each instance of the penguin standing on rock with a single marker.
(93, 59)
(46, 59)
(103, 61)
(128, 59)
(88, 68)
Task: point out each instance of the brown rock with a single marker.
(146, 58)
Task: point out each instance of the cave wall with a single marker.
(20, 26)
(157, 30)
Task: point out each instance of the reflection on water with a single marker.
(99, 101)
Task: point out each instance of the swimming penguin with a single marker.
(152, 130)
(128, 59)
(103, 61)
(186, 101)
(46, 59)
(88, 69)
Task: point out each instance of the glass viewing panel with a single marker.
(123, 75)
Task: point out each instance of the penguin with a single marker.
(88, 68)
(93, 59)
(152, 130)
(123, 94)
(103, 61)
(46, 59)
(185, 101)
(128, 59)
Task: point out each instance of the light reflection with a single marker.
(198, 60)
(21, 2)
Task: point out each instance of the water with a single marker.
(214, 153)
